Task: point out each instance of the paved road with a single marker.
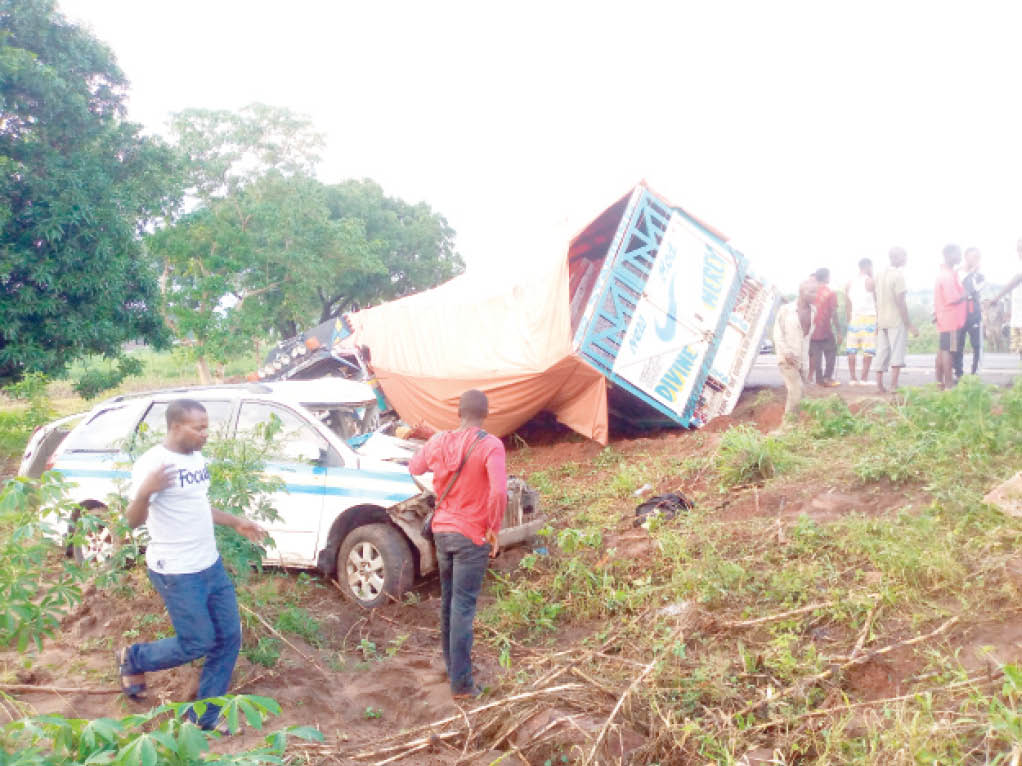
(994, 368)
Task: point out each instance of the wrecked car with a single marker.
(352, 512)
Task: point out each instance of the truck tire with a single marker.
(374, 564)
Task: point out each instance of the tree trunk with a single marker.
(220, 370)
(202, 365)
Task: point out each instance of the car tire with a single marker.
(374, 565)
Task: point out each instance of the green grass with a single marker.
(939, 554)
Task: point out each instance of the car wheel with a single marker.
(374, 564)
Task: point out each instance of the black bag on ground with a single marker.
(663, 506)
(427, 523)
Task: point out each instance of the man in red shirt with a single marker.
(822, 342)
(950, 309)
(465, 526)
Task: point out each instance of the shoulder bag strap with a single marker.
(482, 435)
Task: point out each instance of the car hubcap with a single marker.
(98, 546)
(365, 571)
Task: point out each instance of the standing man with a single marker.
(1014, 287)
(893, 324)
(169, 485)
(792, 325)
(949, 307)
(823, 342)
(972, 283)
(861, 314)
(469, 473)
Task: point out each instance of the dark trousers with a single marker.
(826, 348)
(204, 611)
(974, 332)
(462, 565)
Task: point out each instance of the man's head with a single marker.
(952, 255)
(866, 266)
(972, 258)
(807, 290)
(822, 276)
(187, 425)
(898, 257)
(473, 407)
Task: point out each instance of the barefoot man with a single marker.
(893, 324)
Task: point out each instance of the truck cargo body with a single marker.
(666, 309)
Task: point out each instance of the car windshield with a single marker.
(345, 421)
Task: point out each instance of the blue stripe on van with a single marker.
(92, 473)
(295, 489)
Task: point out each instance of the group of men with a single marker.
(169, 493)
(878, 323)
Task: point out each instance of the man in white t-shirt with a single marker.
(169, 485)
(1014, 287)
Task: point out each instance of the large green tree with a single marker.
(267, 248)
(78, 185)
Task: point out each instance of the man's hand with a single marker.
(244, 527)
(160, 479)
(249, 529)
(138, 508)
(791, 359)
(491, 538)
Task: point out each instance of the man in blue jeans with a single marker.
(169, 485)
(470, 474)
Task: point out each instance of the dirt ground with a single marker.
(357, 700)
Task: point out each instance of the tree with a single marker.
(268, 248)
(414, 245)
(78, 185)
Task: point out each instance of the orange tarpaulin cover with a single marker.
(510, 337)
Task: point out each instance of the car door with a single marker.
(297, 456)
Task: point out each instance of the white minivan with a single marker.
(353, 513)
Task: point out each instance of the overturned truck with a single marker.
(651, 319)
(666, 309)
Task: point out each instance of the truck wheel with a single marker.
(374, 564)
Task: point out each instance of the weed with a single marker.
(746, 456)
(373, 713)
(296, 620)
(266, 652)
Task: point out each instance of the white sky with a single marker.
(812, 134)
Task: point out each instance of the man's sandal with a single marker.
(131, 689)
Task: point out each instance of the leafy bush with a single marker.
(95, 380)
(31, 604)
(162, 736)
(831, 417)
(16, 425)
(943, 437)
(746, 456)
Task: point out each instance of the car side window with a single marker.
(106, 431)
(155, 420)
(295, 441)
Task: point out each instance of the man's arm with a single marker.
(138, 509)
(1015, 282)
(899, 301)
(244, 527)
(496, 473)
(848, 303)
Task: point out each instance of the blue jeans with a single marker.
(462, 565)
(204, 611)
